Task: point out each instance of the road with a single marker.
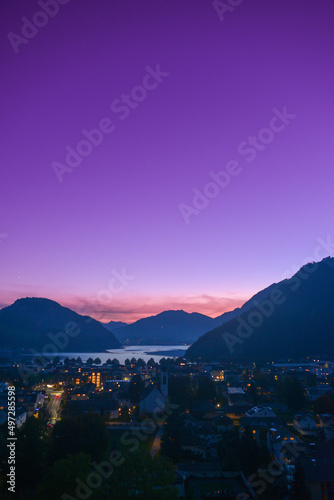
(54, 405)
(123, 425)
(157, 442)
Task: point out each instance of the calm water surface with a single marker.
(131, 351)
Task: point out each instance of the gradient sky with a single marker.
(119, 209)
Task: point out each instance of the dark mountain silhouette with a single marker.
(113, 326)
(168, 327)
(301, 325)
(294, 320)
(32, 323)
(228, 316)
(178, 327)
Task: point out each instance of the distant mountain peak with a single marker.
(32, 322)
(35, 300)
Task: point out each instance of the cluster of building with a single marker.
(104, 388)
(27, 403)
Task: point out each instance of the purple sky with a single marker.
(120, 207)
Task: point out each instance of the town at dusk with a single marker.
(167, 250)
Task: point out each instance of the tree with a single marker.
(56, 360)
(133, 361)
(30, 451)
(206, 388)
(262, 380)
(66, 361)
(144, 477)
(78, 361)
(125, 417)
(252, 392)
(180, 389)
(299, 489)
(324, 404)
(141, 362)
(97, 361)
(136, 388)
(151, 362)
(85, 433)
(291, 390)
(163, 362)
(311, 379)
(245, 375)
(171, 439)
(228, 449)
(108, 361)
(89, 361)
(62, 478)
(251, 454)
(115, 362)
(127, 362)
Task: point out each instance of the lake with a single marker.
(131, 351)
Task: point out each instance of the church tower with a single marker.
(164, 384)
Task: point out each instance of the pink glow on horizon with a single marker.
(129, 308)
(119, 207)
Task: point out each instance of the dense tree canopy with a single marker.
(62, 477)
(86, 433)
(324, 404)
(180, 389)
(291, 390)
(142, 477)
(206, 388)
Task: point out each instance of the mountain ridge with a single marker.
(302, 325)
(179, 327)
(34, 323)
(113, 326)
(29, 322)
